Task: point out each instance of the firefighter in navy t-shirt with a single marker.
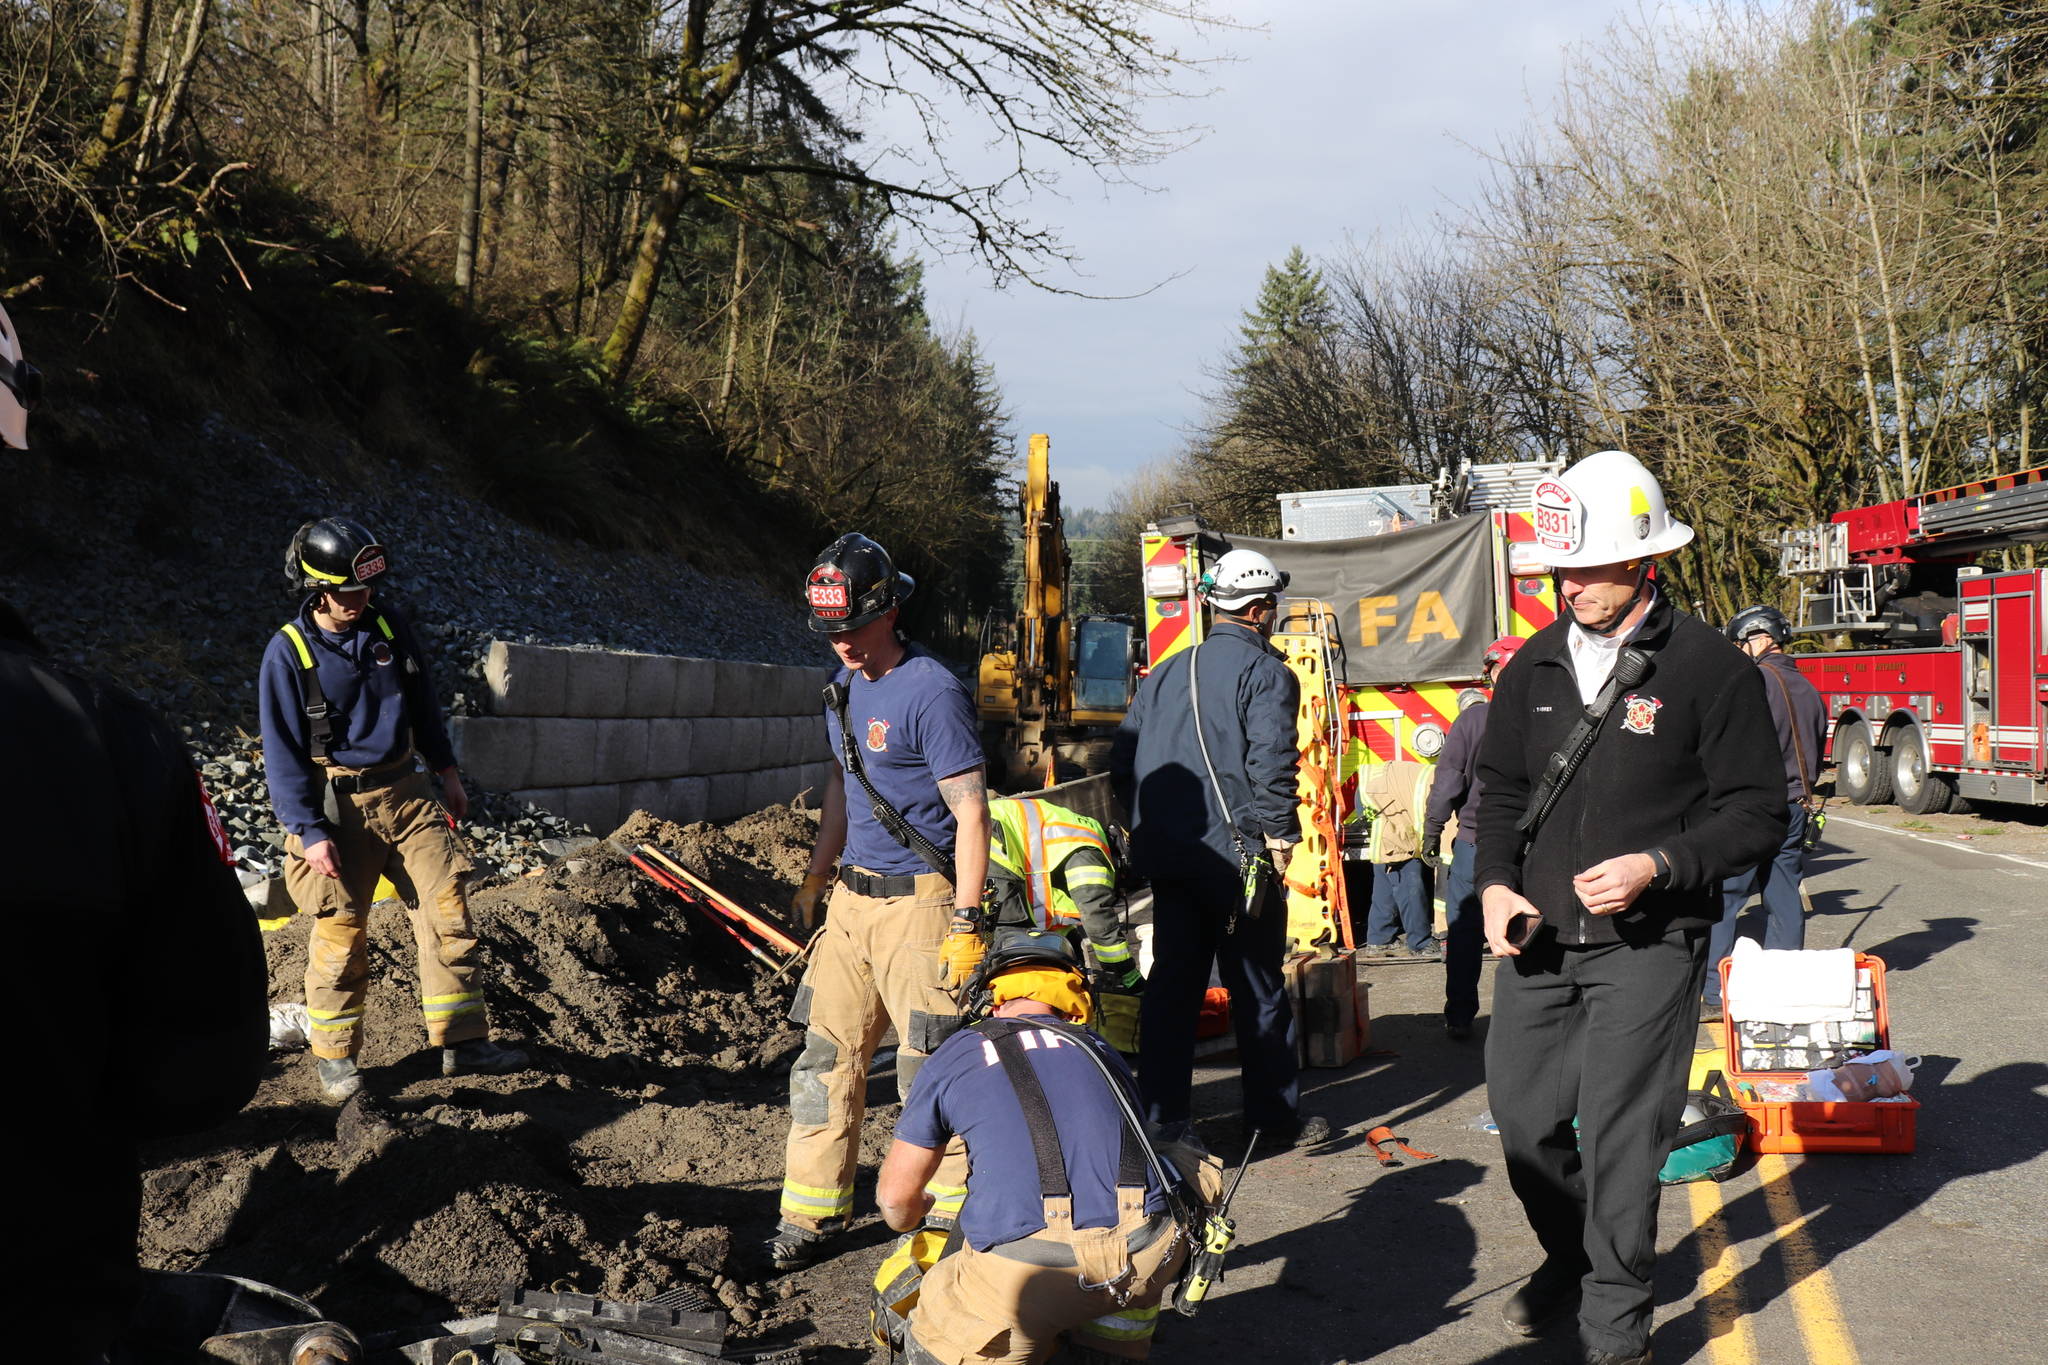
(901, 934)
(1083, 1255)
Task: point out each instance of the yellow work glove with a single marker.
(809, 900)
(960, 957)
(1116, 1019)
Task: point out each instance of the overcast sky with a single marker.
(1343, 119)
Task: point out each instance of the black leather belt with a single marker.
(354, 784)
(878, 886)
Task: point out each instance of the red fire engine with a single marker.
(1947, 693)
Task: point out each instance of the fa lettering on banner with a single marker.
(1430, 616)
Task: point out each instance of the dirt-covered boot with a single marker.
(792, 1247)
(480, 1057)
(339, 1078)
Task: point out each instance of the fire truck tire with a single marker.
(1917, 790)
(1862, 773)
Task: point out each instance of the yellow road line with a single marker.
(1729, 1338)
(1811, 1288)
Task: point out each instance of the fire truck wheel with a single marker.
(1919, 791)
(1862, 774)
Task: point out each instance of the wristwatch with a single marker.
(1661, 878)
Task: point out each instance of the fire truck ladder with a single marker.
(1840, 583)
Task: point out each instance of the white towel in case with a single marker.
(1791, 985)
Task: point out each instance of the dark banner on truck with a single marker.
(1412, 606)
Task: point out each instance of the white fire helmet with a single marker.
(1240, 578)
(20, 386)
(1606, 509)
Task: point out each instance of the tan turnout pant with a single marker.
(1013, 1304)
(398, 830)
(878, 964)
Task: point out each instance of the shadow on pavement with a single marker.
(1904, 952)
(1993, 1122)
(1388, 1269)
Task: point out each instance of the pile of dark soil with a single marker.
(642, 1146)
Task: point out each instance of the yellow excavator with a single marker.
(1052, 686)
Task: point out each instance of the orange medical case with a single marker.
(1820, 1125)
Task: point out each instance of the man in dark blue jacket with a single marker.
(1202, 798)
(1457, 791)
(347, 712)
(125, 859)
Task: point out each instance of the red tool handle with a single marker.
(676, 889)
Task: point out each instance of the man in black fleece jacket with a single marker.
(1682, 788)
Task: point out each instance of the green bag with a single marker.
(1708, 1147)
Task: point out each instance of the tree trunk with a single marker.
(171, 104)
(472, 162)
(127, 77)
(623, 344)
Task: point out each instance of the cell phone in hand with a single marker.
(1522, 928)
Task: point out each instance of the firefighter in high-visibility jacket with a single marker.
(1051, 868)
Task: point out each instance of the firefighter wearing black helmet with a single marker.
(905, 862)
(348, 714)
(1762, 632)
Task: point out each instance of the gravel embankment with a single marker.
(174, 585)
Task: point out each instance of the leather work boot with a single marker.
(1595, 1357)
(1313, 1131)
(793, 1248)
(480, 1057)
(1535, 1306)
(339, 1078)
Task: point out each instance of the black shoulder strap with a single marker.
(1558, 772)
(1045, 1135)
(886, 815)
(319, 715)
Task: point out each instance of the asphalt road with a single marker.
(1937, 1256)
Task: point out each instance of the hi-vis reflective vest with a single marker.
(1058, 855)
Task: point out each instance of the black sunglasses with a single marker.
(25, 382)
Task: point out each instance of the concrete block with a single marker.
(595, 806)
(810, 742)
(496, 751)
(650, 796)
(650, 684)
(771, 787)
(795, 734)
(564, 752)
(711, 745)
(621, 751)
(549, 799)
(688, 799)
(748, 732)
(668, 747)
(796, 691)
(526, 680)
(726, 796)
(740, 688)
(696, 687)
(821, 775)
(597, 683)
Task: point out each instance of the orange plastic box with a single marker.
(1821, 1125)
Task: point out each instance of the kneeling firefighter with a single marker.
(1051, 868)
(1075, 1226)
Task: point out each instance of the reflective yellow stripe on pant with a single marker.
(876, 964)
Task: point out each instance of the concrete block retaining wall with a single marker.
(594, 735)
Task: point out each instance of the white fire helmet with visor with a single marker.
(1606, 509)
